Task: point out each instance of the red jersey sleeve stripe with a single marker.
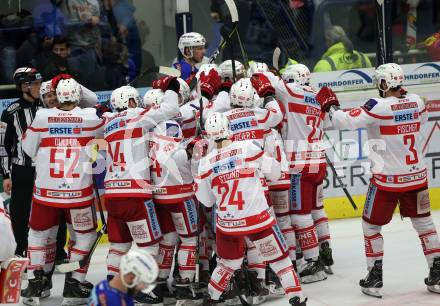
(375, 115)
(252, 158)
(33, 129)
(292, 93)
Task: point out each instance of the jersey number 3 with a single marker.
(410, 140)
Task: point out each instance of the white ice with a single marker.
(404, 269)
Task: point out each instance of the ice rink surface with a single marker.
(404, 269)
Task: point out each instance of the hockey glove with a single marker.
(210, 83)
(63, 76)
(262, 85)
(226, 85)
(327, 98)
(167, 83)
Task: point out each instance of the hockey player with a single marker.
(229, 177)
(300, 75)
(256, 67)
(48, 95)
(11, 268)
(192, 46)
(227, 72)
(302, 136)
(131, 213)
(399, 172)
(138, 272)
(176, 206)
(60, 142)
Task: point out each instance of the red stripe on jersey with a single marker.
(295, 95)
(401, 178)
(125, 134)
(203, 175)
(400, 129)
(265, 117)
(252, 158)
(37, 129)
(304, 109)
(128, 184)
(375, 115)
(93, 127)
(244, 222)
(168, 138)
(52, 142)
(247, 135)
(67, 193)
(172, 190)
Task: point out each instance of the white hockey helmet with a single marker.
(168, 128)
(153, 97)
(184, 92)
(257, 67)
(217, 126)
(68, 91)
(243, 94)
(143, 266)
(121, 97)
(226, 69)
(45, 88)
(297, 73)
(391, 73)
(207, 68)
(190, 40)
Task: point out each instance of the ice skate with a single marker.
(153, 298)
(433, 280)
(372, 283)
(162, 290)
(313, 272)
(273, 283)
(325, 255)
(75, 292)
(187, 294)
(34, 292)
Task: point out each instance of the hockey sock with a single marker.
(321, 225)
(428, 237)
(186, 258)
(222, 275)
(115, 252)
(41, 249)
(288, 278)
(306, 235)
(373, 242)
(80, 250)
(204, 249)
(255, 263)
(288, 231)
(166, 253)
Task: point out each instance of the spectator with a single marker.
(83, 33)
(340, 54)
(123, 11)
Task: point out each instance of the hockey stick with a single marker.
(276, 58)
(72, 266)
(344, 187)
(157, 69)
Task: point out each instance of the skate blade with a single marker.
(328, 270)
(317, 277)
(434, 289)
(374, 292)
(34, 301)
(147, 304)
(189, 302)
(74, 301)
(169, 301)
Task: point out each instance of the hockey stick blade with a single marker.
(232, 10)
(169, 71)
(276, 58)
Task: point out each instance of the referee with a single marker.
(17, 168)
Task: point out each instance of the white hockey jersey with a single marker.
(170, 171)
(127, 135)
(273, 144)
(253, 123)
(230, 179)
(303, 129)
(61, 143)
(393, 126)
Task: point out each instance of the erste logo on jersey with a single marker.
(229, 164)
(402, 116)
(310, 99)
(244, 124)
(64, 129)
(117, 124)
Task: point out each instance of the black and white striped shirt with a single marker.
(18, 116)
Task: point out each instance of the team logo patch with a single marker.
(370, 104)
(355, 112)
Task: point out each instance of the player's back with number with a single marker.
(230, 178)
(397, 122)
(61, 143)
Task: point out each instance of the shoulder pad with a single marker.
(370, 104)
